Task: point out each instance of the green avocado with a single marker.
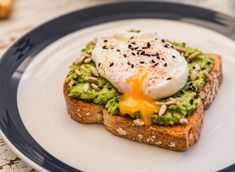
(107, 95)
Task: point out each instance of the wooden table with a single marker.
(27, 14)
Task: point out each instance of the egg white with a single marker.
(116, 59)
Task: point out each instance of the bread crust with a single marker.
(176, 137)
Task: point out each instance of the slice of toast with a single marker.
(176, 137)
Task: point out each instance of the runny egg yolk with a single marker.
(136, 101)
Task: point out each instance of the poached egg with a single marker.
(142, 66)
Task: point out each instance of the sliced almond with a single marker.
(94, 71)
(94, 86)
(86, 87)
(162, 110)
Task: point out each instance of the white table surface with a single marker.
(27, 14)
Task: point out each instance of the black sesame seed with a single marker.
(133, 43)
(155, 64)
(118, 50)
(111, 64)
(142, 62)
(132, 37)
(181, 92)
(203, 67)
(133, 54)
(194, 67)
(124, 55)
(173, 56)
(128, 63)
(129, 46)
(132, 66)
(105, 40)
(142, 53)
(163, 59)
(191, 101)
(163, 40)
(166, 45)
(208, 63)
(105, 47)
(148, 45)
(169, 78)
(136, 48)
(165, 65)
(99, 64)
(196, 96)
(152, 61)
(194, 88)
(189, 89)
(74, 84)
(190, 84)
(145, 47)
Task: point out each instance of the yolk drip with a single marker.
(136, 101)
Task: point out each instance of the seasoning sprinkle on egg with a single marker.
(140, 50)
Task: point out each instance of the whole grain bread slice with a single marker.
(176, 137)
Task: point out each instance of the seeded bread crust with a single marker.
(177, 137)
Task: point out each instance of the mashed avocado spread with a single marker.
(107, 95)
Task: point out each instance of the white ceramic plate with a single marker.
(43, 113)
